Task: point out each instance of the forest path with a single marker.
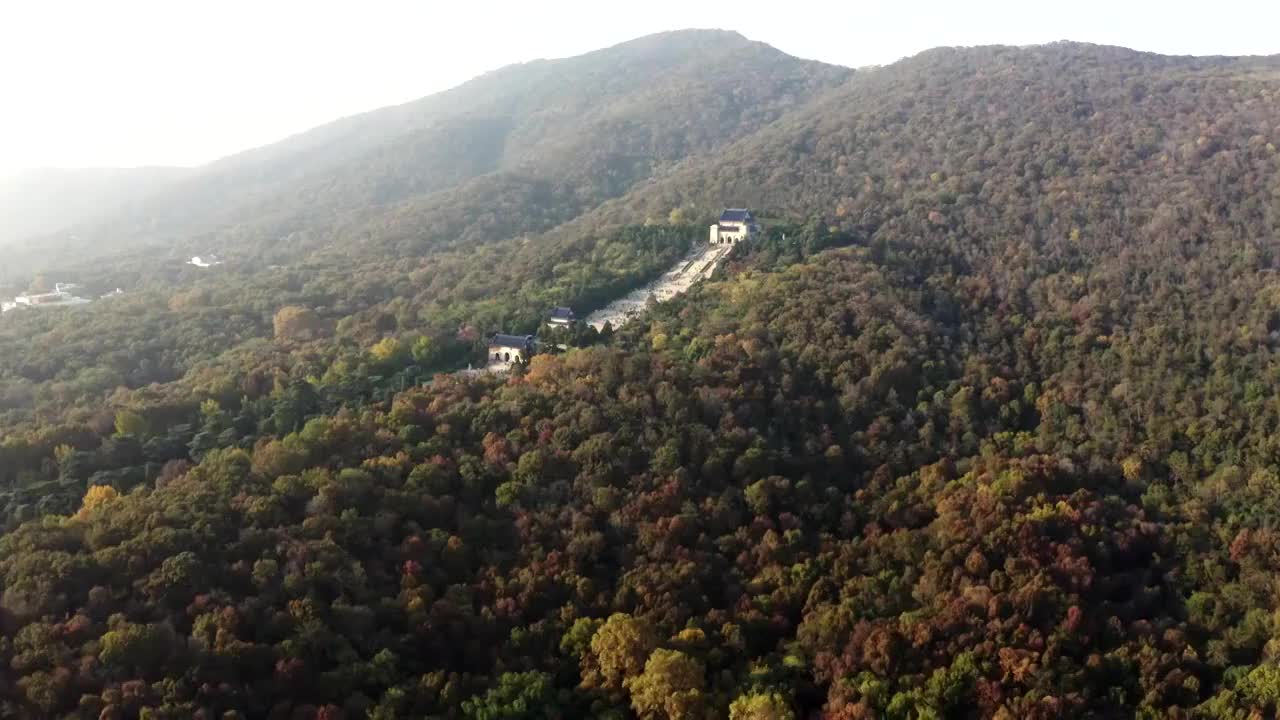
(698, 264)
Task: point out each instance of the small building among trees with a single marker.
(734, 226)
(510, 348)
(562, 317)
(61, 296)
(206, 261)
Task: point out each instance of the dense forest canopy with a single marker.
(982, 425)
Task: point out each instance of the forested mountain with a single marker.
(982, 426)
(44, 201)
(518, 150)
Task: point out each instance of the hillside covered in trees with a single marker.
(982, 426)
(521, 149)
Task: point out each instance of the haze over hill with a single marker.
(520, 149)
(44, 201)
(983, 423)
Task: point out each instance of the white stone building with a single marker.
(206, 261)
(60, 297)
(735, 225)
(510, 348)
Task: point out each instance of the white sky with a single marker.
(145, 82)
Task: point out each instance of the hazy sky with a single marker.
(138, 82)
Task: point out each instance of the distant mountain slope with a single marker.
(47, 200)
(974, 134)
(560, 136)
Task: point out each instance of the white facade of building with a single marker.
(60, 297)
(735, 225)
(562, 317)
(510, 348)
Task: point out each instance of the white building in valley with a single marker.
(60, 297)
(735, 225)
(205, 261)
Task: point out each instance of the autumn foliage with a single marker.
(983, 425)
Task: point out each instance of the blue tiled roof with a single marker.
(511, 340)
(562, 313)
(736, 215)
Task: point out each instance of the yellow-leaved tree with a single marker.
(673, 685)
(293, 322)
(761, 706)
(96, 497)
(619, 650)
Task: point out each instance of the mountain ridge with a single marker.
(470, 156)
(483, 127)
